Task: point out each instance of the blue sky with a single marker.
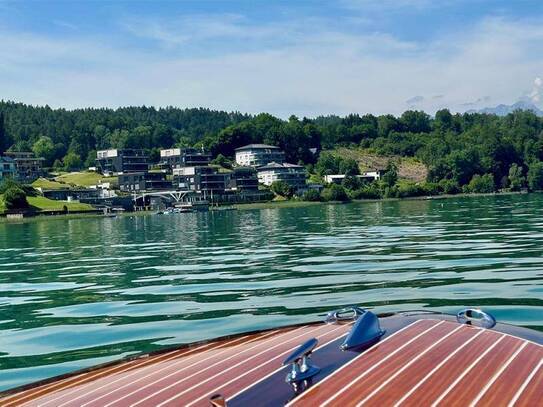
(284, 57)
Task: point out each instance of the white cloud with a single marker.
(304, 69)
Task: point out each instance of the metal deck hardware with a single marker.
(476, 316)
(366, 331)
(301, 366)
(344, 314)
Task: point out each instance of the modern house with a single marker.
(183, 157)
(144, 181)
(256, 155)
(204, 179)
(369, 176)
(293, 175)
(244, 179)
(122, 161)
(28, 167)
(7, 167)
(70, 194)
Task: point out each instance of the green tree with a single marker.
(327, 164)
(334, 192)
(390, 177)
(535, 176)
(444, 120)
(349, 167)
(281, 188)
(44, 148)
(311, 195)
(91, 159)
(482, 184)
(15, 198)
(516, 179)
(72, 162)
(222, 161)
(449, 186)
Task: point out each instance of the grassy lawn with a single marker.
(43, 204)
(84, 179)
(48, 184)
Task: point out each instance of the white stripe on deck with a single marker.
(525, 384)
(465, 372)
(279, 369)
(88, 384)
(435, 369)
(497, 374)
(246, 373)
(376, 365)
(188, 367)
(222, 372)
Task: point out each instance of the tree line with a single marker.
(465, 151)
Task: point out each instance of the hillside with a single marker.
(408, 168)
(70, 180)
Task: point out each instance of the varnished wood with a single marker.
(512, 378)
(426, 362)
(246, 358)
(448, 363)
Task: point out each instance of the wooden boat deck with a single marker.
(429, 362)
(432, 363)
(180, 378)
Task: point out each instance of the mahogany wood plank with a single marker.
(512, 378)
(472, 383)
(246, 379)
(78, 379)
(533, 393)
(58, 397)
(131, 390)
(258, 364)
(329, 386)
(368, 383)
(438, 382)
(402, 381)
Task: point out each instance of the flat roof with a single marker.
(256, 146)
(274, 165)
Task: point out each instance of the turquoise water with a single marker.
(76, 292)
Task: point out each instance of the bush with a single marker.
(350, 182)
(449, 186)
(370, 191)
(283, 189)
(535, 176)
(222, 161)
(10, 183)
(391, 192)
(390, 177)
(311, 195)
(515, 178)
(410, 189)
(15, 198)
(482, 184)
(334, 193)
(72, 161)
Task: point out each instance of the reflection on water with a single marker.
(79, 292)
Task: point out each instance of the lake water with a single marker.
(76, 292)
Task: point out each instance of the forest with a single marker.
(461, 151)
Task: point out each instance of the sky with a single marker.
(300, 57)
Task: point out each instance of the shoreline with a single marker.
(256, 206)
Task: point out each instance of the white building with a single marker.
(293, 175)
(256, 155)
(365, 176)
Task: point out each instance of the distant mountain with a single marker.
(503, 110)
